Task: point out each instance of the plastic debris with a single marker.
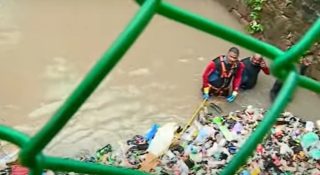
(318, 124)
(210, 143)
(309, 126)
(151, 133)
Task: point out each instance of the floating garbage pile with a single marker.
(292, 147)
(209, 143)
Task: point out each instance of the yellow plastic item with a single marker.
(206, 90)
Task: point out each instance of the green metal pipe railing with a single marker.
(283, 68)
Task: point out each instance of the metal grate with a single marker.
(282, 67)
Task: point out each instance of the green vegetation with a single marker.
(255, 16)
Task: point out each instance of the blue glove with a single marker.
(205, 96)
(232, 97)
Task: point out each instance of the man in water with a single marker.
(252, 67)
(304, 64)
(220, 72)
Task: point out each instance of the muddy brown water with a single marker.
(46, 47)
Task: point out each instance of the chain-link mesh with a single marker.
(282, 67)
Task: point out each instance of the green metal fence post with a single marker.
(283, 68)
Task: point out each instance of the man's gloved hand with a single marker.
(263, 64)
(205, 95)
(232, 97)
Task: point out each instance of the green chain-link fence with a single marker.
(282, 67)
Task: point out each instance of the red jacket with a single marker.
(266, 70)
(211, 67)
